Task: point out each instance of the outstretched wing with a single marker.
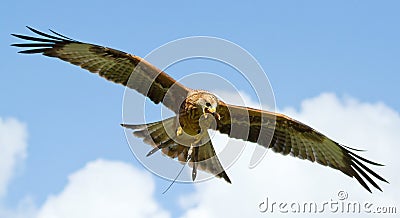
(116, 66)
(162, 136)
(288, 136)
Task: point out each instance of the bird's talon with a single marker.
(179, 131)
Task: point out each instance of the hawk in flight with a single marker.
(185, 135)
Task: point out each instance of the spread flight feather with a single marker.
(196, 110)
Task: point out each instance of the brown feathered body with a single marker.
(185, 135)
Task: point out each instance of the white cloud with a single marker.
(13, 145)
(25, 209)
(115, 189)
(13, 151)
(370, 126)
(105, 189)
(100, 189)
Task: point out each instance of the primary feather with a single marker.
(276, 131)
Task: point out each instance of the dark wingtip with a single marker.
(354, 149)
(358, 169)
(30, 28)
(153, 151)
(225, 176)
(58, 34)
(345, 148)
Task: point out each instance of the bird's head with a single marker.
(207, 102)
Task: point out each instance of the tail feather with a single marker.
(162, 136)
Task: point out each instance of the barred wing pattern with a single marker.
(111, 64)
(271, 130)
(287, 136)
(161, 136)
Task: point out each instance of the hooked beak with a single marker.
(211, 111)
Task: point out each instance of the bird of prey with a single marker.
(185, 135)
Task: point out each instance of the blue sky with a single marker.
(348, 48)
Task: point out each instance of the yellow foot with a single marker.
(179, 131)
(190, 151)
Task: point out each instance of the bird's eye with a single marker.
(208, 104)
